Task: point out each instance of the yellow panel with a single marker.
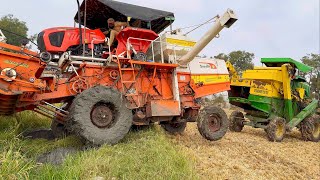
(181, 42)
(210, 79)
(267, 89)
(241, 82)
(275, 75)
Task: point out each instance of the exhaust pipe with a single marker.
(227, 20)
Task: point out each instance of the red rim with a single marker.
(214, 123)
(102, 116)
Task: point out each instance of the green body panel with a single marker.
(240, 100)
(267, 104)
(278, 62)
(310, 109)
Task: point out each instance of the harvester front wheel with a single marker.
(213, 123)
(276, 129)
(99, 116)
(236, 121)
(174, 128)
(310, 128)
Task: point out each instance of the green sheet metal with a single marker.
(278, 62)
(303, 114)
(267, 104)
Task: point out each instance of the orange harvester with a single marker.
(103, 95)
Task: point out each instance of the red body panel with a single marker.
(72, 38)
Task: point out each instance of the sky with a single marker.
(267, 28)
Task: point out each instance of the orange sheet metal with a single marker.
(160, 108)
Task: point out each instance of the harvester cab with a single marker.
(105, 91)
(274, 98)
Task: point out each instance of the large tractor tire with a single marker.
(99, 116)
(276, 129)
(213, 123)
(174, 128)
(310, 128)
(236, 121)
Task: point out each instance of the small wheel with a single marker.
(276, 129)
(213, 123)
(236, 121)
(59, 130)
(174, 128)
(99, 116)
(310, 128)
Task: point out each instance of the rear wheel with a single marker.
(99, 115)
(236, 121)
(213, 123)
(310, 128)
(276, 129)
(174, 128)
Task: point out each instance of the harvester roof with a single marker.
(98, 12)
(278, 62)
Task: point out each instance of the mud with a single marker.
(57, 156)
(39, 134)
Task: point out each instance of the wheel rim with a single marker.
(280, 130)
(102, 115)
(214, 123)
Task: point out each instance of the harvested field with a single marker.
(249, 155)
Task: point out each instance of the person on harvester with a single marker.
(114, 29)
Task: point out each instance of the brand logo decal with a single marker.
(207, 65)
(16, 63)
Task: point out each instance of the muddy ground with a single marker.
(249, 155)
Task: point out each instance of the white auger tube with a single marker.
(226, 20)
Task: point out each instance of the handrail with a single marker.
(152, 47)
(99, 40)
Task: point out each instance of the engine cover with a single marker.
(61, 39)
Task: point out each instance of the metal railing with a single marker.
(174, 48)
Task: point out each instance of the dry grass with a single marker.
(249, 155)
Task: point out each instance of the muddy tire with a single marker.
(174, 128)
(213, 123)
(99, 116)
(276, 129)
(236, 121)
(310, 128)
(59, 130)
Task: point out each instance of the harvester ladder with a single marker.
(128, 85)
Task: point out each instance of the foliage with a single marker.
(313, 76)
(12, 24)
(241, 60)
(147, 154)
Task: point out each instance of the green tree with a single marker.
(241, 60)
(313, 77)
(12, 24)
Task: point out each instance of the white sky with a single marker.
(268, 28)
